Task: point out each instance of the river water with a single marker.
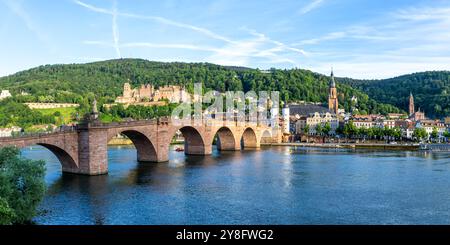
(275, 185)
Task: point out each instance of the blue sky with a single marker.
(358, 38)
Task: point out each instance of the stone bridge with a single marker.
(83, 149)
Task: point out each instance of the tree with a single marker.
(350, 129)
(435, 134)
(363, 132)
(397, 133)
(327, 129)
(306, 129)
(319, 129)
(22, 186)
(446, 134)
(370, 133)
(420, 134)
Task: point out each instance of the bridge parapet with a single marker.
(57, 132)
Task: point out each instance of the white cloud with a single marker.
(404, 41)
(311, 6)
(158, 19)
(233, 52)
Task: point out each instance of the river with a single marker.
(274, 185)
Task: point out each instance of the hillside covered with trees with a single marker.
(431, 91)
(80, 83)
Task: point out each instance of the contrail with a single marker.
(159, 19)
(115, 30)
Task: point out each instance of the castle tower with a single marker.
(333, 104)
(411, 104)
(127, 90)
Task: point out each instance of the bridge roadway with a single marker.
(83, 149)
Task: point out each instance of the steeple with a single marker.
(333, 103)
(411, 104)
(332, 82)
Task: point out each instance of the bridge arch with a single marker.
(226, 140)
(249, 139)
(67, 161)
(146, 151)
(266, 136)
(194, 144)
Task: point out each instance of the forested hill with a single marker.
(79, 83)
(431, 91)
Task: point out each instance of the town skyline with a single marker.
(376, 41)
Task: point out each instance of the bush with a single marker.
(22, 186)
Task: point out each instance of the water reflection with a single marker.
(281, 185)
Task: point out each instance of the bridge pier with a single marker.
(200, 150)
(92, 150)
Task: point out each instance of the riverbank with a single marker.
(409, 147)
(126, 141)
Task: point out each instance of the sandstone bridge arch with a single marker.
(145, 147)
(83, 149)
(63, 145)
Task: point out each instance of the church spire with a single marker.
(332, 82)
(411, 104)
(333, 103)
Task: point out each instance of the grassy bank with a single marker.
(62, 115)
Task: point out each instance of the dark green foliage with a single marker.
(17, 114)
(80, 83)
(431, 91)
(22, 186)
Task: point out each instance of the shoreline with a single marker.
(411, 147)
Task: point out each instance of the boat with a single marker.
(179, 149)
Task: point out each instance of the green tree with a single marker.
(319, 129)
(397, 133)
(420, 134)
(306, 129)
(446, 134)
(350, 129)
(327, 129)
(22, 186)
(435, 134)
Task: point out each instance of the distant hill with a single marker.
(431, 91)
(80, 83)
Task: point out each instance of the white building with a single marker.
(369, 121)
(5, 94)
(315, 119)
(389, 123)
(430, 125)
(7, 132)
(408, 132)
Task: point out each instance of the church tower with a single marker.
(411, 104)
(333, 104)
